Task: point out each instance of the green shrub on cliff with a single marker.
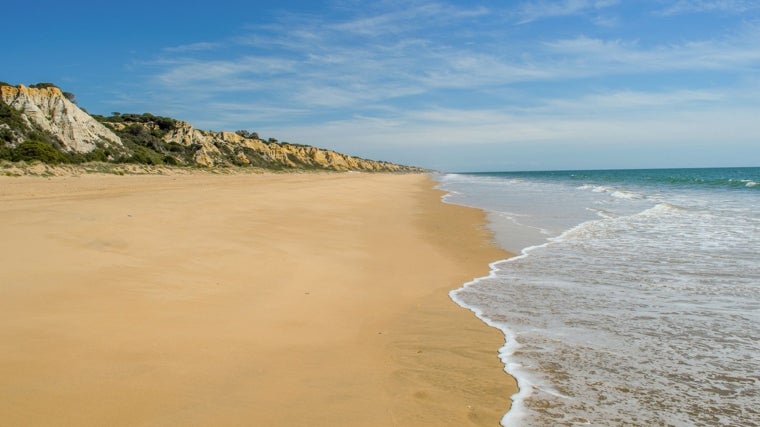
(143, 155)
(145, 140)
(36, 145)
(143, 136)
(36, 149)
(247, 134)
(5, 152)
(11, 117)
(96, 155)
(43, 85)
(163, 123)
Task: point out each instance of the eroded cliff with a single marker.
(160, 140)
(51, 111)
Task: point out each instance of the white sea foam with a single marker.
(644, 311)
(602, 213)
(612, 191)
(525, 379)
(626, 195)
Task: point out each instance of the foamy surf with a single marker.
(633, 308)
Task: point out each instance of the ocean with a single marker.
(634, 298)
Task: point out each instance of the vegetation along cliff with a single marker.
(41, 122)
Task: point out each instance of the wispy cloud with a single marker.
(192, 47)
(355, 62)
(430, 137)
(225, 75)
(410, 17)
(418, 76)
(618, 56)
(535, 10)
(701, 6)
(361, 59)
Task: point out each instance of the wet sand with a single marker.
(293, 299)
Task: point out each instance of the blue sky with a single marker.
(455, 86)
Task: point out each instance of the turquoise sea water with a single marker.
(635, 298)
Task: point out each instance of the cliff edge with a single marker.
(44, 118)
(49, 110)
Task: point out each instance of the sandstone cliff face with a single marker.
(49, 109)
(286, 155)
(160, 140)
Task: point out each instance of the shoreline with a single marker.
(166, 299)
(523, 387)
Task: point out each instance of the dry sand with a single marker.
(251, 300)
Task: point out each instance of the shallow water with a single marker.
(636, 300)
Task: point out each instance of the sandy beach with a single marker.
(268, 300)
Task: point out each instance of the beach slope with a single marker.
(297, 299)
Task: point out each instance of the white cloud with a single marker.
(533, 11)
(499, 140)
(389, 79)
(638, 101)
(597, 119)
(319, 66)
(410, 17)
(251, 114)
(193, 47)
(701, 6)
(600, 57)
(224, 75)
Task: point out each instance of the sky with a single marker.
(448, 85)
